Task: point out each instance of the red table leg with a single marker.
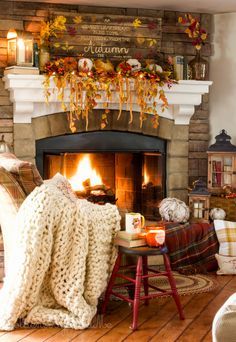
(138, 281)
(111, 283)
(145, 280)
(173, 286)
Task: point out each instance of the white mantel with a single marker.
(27, 95)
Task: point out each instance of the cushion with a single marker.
(223, 328)
(227, 264)
(10, 186)
(226, 235)
(25, 172)
(11, 198)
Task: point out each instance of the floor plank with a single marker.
(208, 337)
(203, 322)
(157, 322)
(153, 310)
(105, 324)
(16, 335)
(41, 334)
(173, 329)
(65, 335)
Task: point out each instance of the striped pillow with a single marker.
(11, 198)
(25, 172)
(13, 190)
(226, 235)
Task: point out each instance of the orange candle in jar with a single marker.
(155, 237)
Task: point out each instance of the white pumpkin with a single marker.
(173, 209)
(217, 214)
(85, 64)
(135, 64)
(155, 67)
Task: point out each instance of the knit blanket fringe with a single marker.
(62, 259)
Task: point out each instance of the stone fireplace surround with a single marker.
(34, 120)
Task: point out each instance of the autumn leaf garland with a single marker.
(86, 87)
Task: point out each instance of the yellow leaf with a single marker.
(77, 19)
(152, 42)
(140, 40)
(56, 45)
(136, 23)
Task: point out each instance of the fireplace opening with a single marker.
(117, 167)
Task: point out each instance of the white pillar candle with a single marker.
(200, 212)
(195, 211)
(21, 51)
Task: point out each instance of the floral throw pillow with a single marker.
(227, 264)
(226, 235)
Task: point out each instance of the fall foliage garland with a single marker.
(85, 88)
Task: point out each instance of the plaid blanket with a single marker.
(192, 247)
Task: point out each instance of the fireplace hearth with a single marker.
(130, 166)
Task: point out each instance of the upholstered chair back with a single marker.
(17, 179)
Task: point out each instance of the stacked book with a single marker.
(19, 70)
(129, 239)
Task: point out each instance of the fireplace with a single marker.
(131, 166)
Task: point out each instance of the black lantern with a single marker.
(199, 201)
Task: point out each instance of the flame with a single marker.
(83, 172)
(146, 178)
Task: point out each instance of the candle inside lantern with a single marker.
(195, 210)
(200, 211)
(21, 51)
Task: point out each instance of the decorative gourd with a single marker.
(134, 63)
(85, 64)
(217, 214)
(155, 68)
(102, 66)
(173, 209)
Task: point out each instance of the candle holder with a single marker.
(19, 48)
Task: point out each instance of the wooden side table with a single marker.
(143, 272)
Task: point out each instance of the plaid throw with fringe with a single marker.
(192, 247)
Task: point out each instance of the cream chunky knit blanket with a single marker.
(62, 259)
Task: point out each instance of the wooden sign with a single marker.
(113, 37)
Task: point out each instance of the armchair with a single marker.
(17, 179)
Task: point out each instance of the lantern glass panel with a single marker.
(11, 57)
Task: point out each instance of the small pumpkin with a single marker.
(173, 209)
(85, 64)
(217, 214)
(102, 66)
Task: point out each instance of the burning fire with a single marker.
(146, 178)
(84, 171)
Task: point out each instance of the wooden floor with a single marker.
(157, 322)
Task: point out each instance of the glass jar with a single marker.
(198, 68)
(44, 57)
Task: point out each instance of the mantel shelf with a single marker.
(27, 95)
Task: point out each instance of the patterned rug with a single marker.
(186, 285)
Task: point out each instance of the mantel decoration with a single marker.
(198, 66)
(88, 78)
(49, 29)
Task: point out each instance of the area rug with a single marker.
(186, 285)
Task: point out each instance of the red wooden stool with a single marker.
(141, 277)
